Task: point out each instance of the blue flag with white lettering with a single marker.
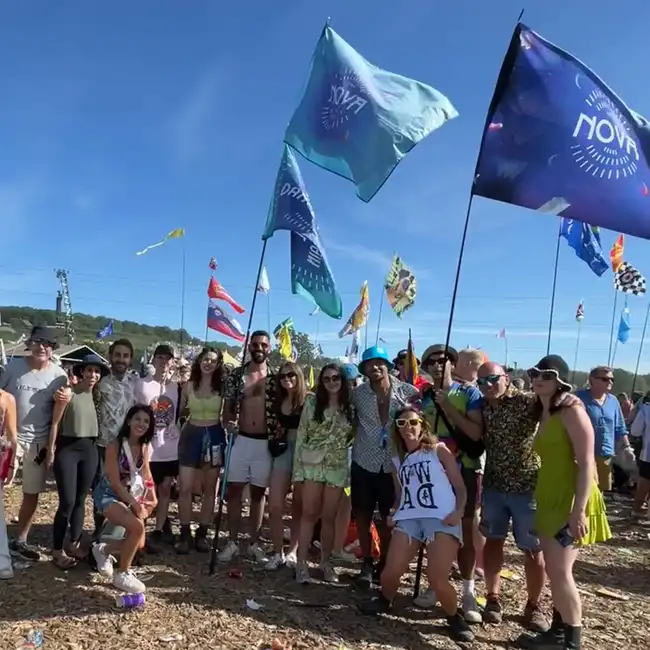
(357, 120)
(311, 276)
(556, 134)
(585, 241)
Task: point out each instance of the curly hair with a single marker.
(217, 379)
(428, 439)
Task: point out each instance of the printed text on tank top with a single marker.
(252, 415)
(425, 489)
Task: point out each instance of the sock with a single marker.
(572, 637)
(468, 587)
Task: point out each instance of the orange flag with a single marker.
(616, 254)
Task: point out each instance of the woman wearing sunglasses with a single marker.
(321, 465)
(431, 496)
(291, 390)
(570, 507)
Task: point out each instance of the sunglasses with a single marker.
(490, 380)
(332, 379)
(44, 342)
(609, 380)
(437, 361)
(411, 422)
(287, 375)
(544, 375)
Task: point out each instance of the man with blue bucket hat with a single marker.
(371, 481)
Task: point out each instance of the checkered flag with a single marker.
(629, 280)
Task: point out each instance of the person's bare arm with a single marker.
(150, 499)
(58, 411)
(10, 421)
(450, 465)
(581, 433)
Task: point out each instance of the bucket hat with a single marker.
(374, 353)
(556, 365)
(90, 360)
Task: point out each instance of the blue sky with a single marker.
(121, 121)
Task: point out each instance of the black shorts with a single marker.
(370, 490)
(162, 470)
(474, 485)
(644, 469)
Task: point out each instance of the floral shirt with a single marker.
(116, 397)
(511, 463)
(234, 391)
(333, 435)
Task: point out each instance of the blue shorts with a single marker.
(425, 530)
(104, 495)
(499, 508)
(197, 442)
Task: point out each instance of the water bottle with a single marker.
(129, 601)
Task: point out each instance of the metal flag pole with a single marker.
(268, 309)
(638, 358)
(575, 357)
(454, 295)
(381, 309)
(557, 262)
(611, 331)
(505, 344)
(206, 316)
(182, 299)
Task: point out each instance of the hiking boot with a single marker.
(492, 611)
(364, 578)
(459, 628)
(184, 543)
(375, 606)
(201, 540)
(167, 533)
(24, 551)
(549, 640)
(534, 619)
(155, 542)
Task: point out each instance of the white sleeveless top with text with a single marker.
(426, 490)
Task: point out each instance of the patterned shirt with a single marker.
(511, 464)
(234, 391)
(369, 450)
(116, 397)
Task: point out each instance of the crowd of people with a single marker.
(449, 464)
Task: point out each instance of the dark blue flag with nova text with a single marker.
(556, 134)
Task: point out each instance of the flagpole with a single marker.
(207, 329)
(505, 343)
(365, 338)
(452, 308)
(381, 308)
(183, 298)
(638, 358)
(575, 357)
(268, 308)
(557, 263)
(611, 331)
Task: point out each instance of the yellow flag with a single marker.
(174, 234)
(312, 381)
(284, 343)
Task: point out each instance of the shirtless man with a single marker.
(248, 409)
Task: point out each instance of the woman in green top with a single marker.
(321, 464)
(570, 507)
(72, 452)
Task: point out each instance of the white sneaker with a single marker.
(470, 609)
(255, 551)
(426, 600)
(229, 552)
(6, 573)
(275, 562)
(126, 581)
(104, 562)
(344, 556)
(291, 560)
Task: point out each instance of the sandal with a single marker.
(64, 562)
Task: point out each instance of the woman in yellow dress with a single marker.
(570, 507)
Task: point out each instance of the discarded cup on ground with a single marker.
(129, 601)
(235, 573)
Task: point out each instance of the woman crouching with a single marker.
(126, 496)
(431, 496)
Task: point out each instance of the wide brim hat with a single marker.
(91, 360)
(556, 364)
(372, 354)
(452, 353)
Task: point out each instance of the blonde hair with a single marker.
(475, 356)
(428, 439)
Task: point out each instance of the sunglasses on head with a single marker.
(332, 379)
(411, 422)
(545, 375)
(287, 375)
(489, 380)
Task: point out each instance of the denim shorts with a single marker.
(104, 495)
(499, 508)
(284, 462)
(196, 442)
(425, 530)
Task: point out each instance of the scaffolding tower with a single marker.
(64, 307)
